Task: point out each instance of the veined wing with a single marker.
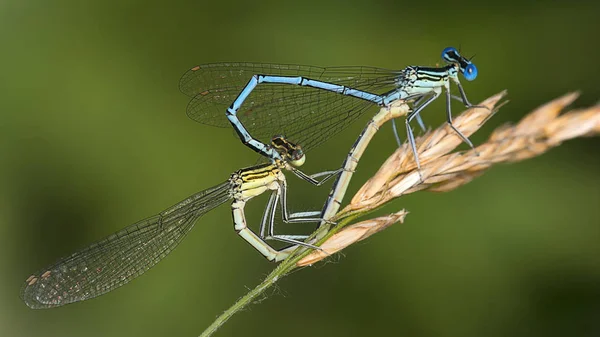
(214, 76)
(120, 257)
(305, 115)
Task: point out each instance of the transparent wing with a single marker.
(120, 257)
(275, 109)
(210, 78)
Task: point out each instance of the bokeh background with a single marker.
(94, 136)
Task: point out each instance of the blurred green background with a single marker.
(94, 136)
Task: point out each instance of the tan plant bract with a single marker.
(350, 235)
(443, 171)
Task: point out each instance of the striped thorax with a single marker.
(253, 181)
(250, 182)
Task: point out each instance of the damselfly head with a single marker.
(450, 55)
(467, 68)
(290, 152)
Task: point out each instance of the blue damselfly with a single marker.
(315, 103)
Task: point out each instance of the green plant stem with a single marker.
(284, 268)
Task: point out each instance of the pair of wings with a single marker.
(120, 257)
(304, 115)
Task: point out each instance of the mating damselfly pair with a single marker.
(308, 105)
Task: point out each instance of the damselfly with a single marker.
(318, 102)
(128, 253)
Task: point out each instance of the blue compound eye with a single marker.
(470, 72)
(449, 54)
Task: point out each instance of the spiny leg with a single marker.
(307, 216)
(268, 218)
(395, 130)
(292, 239)
(419, 120)
(268, 211)
(311, 178)
(411, 137)
(463, 97)
(449, 118)
(329, 174)
(418, 117)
